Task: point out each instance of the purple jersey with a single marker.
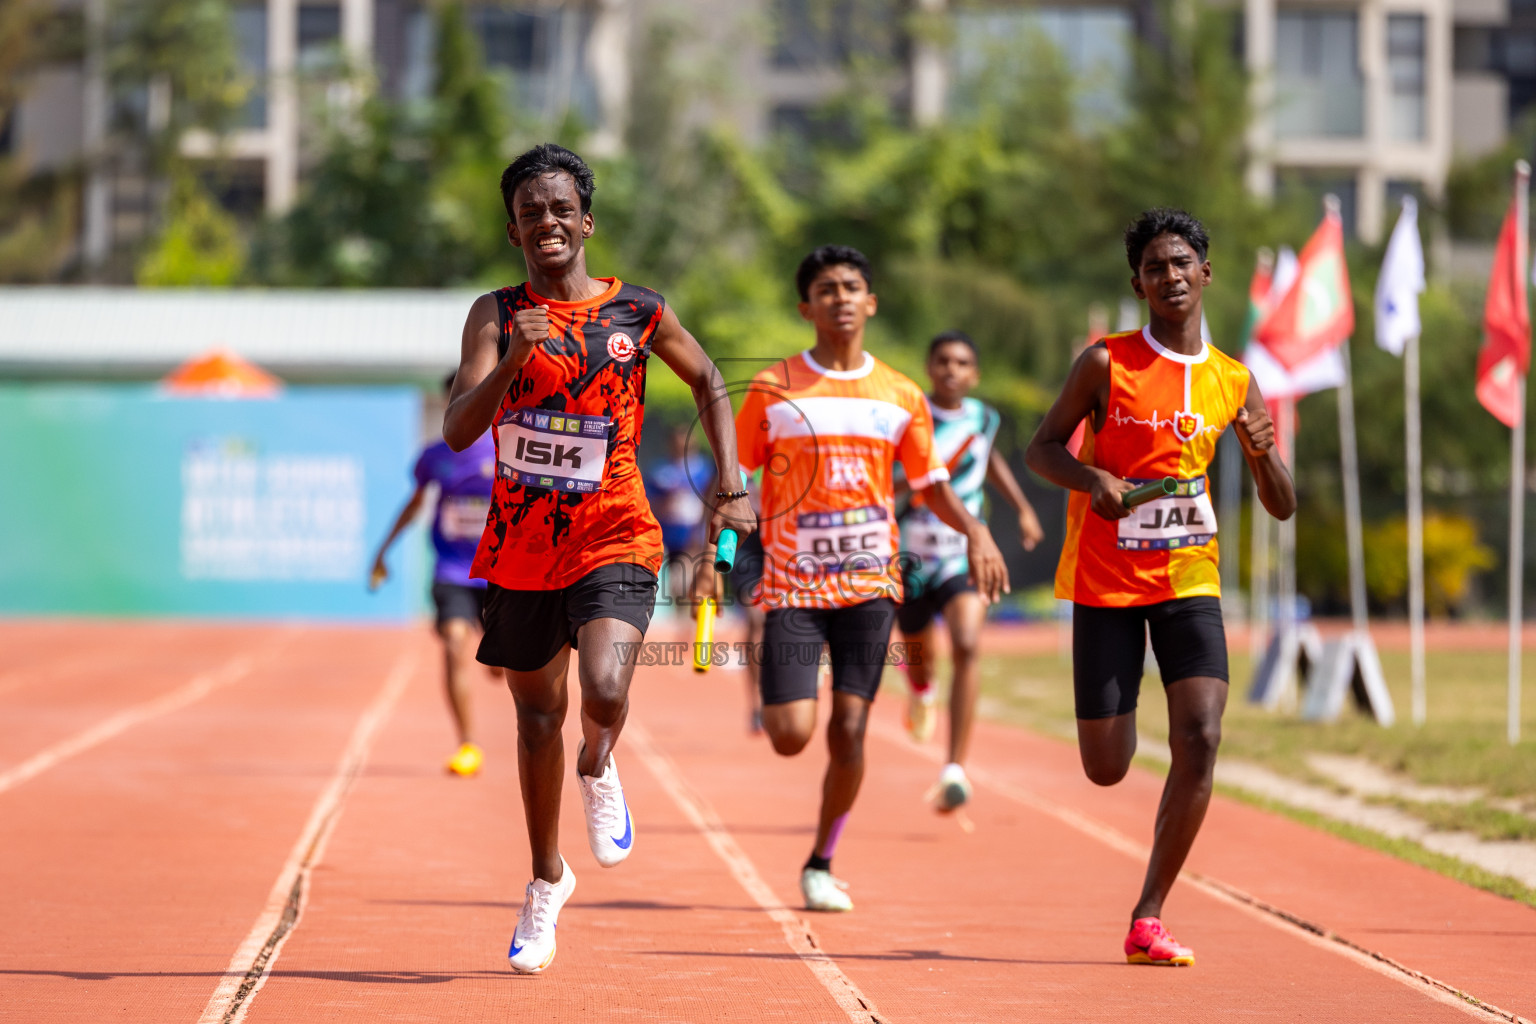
(463, 500)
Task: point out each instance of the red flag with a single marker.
(1506, 353)
(1317, 314)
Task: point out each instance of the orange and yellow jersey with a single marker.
(1164, 415)
(826, 442)
(568, 497)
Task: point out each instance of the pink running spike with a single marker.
(1150, 943)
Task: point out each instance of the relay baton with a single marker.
(725, 550)
(704, 636)
(1149, 492)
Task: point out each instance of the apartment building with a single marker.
(1366, 98)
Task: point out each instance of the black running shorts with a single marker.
(859, 637)
(1109, 647)
(914, 614)
(526, 629)
(456, 601)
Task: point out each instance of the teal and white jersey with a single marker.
(962, 438)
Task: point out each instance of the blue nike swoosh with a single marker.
(516, 949)
(629, 831)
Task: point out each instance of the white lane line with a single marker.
(797, 933)
(1291, 924)
(252, 963)
(231, 671)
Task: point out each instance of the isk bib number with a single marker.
(858, 538)
(1182, 520)
(539, 448)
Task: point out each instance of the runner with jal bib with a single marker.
(826, 427)
(1155, 401)
(570, 549)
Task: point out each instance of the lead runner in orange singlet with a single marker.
(570, 551)
(1155, 401)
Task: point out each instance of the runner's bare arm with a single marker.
(380, 571)
(678, 349)
(483, 379)
(1085, 394)
(1000, 475)
(988, 570)
(1257, 433)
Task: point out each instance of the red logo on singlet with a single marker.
(620, 347)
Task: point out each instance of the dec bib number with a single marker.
(539, 448)
(1184, 519)
(462, 517)
(858, 538)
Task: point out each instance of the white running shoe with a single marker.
(533, 943)
(954, 789)
(922, 715)
(823, 892)
(610, 830)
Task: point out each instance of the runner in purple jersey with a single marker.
(463, 482)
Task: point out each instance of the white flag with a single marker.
(1401, 281)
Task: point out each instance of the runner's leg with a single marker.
(845, 767)
(604, 674)
(541, 697)
(1195, 706)
(459, 643)
(965, 615)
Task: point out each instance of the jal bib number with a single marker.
(1184, 519)
(539, 448)
(932, 540)
(858, 538)
(463, 517)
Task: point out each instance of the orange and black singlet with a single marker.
(1165, 412)
(568, 496)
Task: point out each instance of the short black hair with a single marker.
(957, 337)
(1163, 220)
(826, 256)
(547, 159)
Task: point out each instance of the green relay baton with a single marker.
(725, 550)
(1149, 492)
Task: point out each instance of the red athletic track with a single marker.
(137, 866)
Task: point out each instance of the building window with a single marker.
(543, 51)
(319, 28)
(250, 25)
(813, 34)
(1094, 42)
(1318, 85)
(1405, 70)
(420, 71)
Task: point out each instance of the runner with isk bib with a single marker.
(826, 427)
(1155, 401)
(570, 549)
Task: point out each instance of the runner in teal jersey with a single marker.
(935, 558)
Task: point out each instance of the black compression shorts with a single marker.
(525, 629)
(916, 612)
(1109, 647)
(456, 601)
(859, 637)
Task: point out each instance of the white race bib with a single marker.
(539, 448)
(1181, 520)
(858, 538)
(933, 540)
(462, 517)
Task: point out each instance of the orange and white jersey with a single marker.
(1165, 413)
(826, 441)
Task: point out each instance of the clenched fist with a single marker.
(1256, 430)
(530, 329)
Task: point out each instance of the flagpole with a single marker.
(1349, 459)
(1415, 526)
(1285, 613)
(1258, 581)
(1517, 476)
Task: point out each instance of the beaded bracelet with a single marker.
(730, 495)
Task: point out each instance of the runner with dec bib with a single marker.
(1155, 401)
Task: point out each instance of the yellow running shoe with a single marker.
(922, 715)
(467, 760)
